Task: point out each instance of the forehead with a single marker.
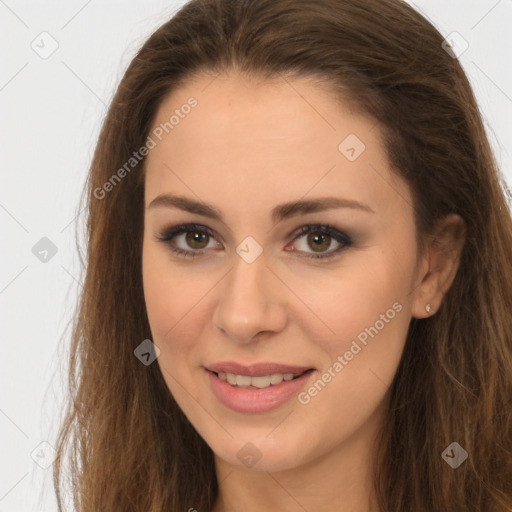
(270, 141)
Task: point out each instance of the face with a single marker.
(323, 285)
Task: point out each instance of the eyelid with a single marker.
(341, 237)
(168, 234)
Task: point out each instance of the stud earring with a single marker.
(427, 307)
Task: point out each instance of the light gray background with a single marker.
(51, 111)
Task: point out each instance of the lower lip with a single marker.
(256, 400)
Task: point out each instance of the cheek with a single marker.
(369, 313)
(366, 301)
(368, 309)
(172, 299)
(173, 304)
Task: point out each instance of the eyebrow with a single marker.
(279, 213)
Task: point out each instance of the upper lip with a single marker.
(257, 369)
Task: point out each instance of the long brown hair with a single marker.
(127, 444)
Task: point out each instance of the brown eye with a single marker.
(319, 239)
(188, 240)
(191, 240)
(196, 239)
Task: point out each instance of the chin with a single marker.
(262, 454)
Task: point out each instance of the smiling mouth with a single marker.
(259, 382)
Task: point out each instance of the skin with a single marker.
(245, 148)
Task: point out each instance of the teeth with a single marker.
(276, 378)
(243, 381)
(264, 381)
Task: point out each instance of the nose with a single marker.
(251, 301)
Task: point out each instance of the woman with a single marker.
(298, 285)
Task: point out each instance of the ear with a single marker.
(439, 265)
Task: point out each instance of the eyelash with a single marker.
(345, 240)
